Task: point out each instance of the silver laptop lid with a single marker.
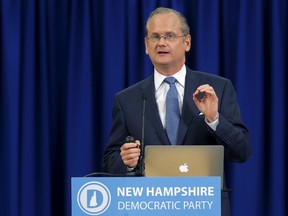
(184, 160)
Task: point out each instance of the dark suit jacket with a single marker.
(127, 120)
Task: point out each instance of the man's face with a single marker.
(166, 56)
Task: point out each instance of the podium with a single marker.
(142, 196)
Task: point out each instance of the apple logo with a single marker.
(183, 168)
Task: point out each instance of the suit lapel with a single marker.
(189, 109)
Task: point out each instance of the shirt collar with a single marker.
(180, 76)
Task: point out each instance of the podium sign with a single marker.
(142, 196)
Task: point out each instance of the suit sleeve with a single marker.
(112, 162)
(231, 131)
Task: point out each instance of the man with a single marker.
(208, 108)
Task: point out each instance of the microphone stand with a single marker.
(141, 159)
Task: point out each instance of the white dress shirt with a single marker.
(161, 89)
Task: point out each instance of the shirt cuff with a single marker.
(213, 125)
(130, 169)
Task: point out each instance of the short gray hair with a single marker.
(162, 10)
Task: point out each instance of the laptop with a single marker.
(184, 160)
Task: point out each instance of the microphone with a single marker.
(141, 159)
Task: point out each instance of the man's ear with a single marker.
(188, 40)
(146, 45)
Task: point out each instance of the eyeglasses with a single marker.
(168, 37)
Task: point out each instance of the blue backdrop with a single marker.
(63, 61)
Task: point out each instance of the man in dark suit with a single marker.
(209, 111)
